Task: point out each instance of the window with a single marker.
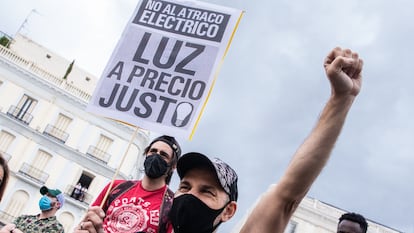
(291, 227)
(58, 130)
(80, 191)
(41, 160)
(26, 105)
(6, 140)
(100, 151)
(24, 109)
(104, 143)
(63, 122)
(35, 170)
(67, 220)
(15, 206)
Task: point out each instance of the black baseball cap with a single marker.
(170, 141)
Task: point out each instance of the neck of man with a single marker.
(151, 184)
(47, 213)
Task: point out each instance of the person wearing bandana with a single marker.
(206, 196)
(135, 206)
(50, 202)
(207, 193)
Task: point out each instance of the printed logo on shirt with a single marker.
(127, 218)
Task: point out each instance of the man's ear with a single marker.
(229, 211)
(58, 205)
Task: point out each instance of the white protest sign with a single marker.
(163, 68)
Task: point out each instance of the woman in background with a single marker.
(4, 175)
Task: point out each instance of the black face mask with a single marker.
(155, 166)
(189, 214)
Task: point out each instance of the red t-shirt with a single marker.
(136, 210)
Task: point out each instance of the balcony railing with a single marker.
(6, 217)
(20, 115)
(34, 173)
(5, 155)
(53, 79)
(57, 133)
(84, 197)
(98, 154)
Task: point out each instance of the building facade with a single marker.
(314, 216)
(49, 139)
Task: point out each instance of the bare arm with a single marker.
(10, 228)
(273, 211)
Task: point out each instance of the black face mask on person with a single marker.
(189, 214)
(155, 166)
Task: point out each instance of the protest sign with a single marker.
(162, 71)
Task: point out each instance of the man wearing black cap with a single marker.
(49, 203)
(207, 193)
(143, 205)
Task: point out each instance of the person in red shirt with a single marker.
(135, 205)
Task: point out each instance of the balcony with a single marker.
(6, 218)
(34, 173)
(30, 66)
(5, 155)
(84, 197)
(98, 154)
(20, 114)
(56, 133)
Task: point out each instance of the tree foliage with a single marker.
(4, 41)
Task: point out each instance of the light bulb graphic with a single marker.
(182, 114)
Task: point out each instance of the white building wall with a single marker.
(314, 216)
(55, 65)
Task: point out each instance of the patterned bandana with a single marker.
(226, 176)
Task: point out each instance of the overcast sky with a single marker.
(272, 88)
